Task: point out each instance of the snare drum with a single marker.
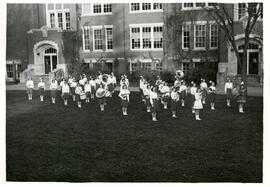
(82, 96)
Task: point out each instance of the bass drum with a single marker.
(83, 96)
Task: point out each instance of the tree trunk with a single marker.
(244, 67)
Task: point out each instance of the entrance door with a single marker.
(47, 63)
(54, 62)
(253, 63)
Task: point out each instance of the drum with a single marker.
(82, 96)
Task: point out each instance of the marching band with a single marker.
(103, 86)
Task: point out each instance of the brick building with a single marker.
(123, 37)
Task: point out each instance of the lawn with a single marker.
(47, 142)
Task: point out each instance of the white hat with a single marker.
(242, 83)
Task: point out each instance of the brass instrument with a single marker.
(106, 79)
(179, 74)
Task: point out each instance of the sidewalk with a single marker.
(252, 91)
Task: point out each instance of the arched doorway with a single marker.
(252, 59)
(46, 57)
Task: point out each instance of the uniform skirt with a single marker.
(212, 97)
(198, 104)
(29, 90)
(88, 94)
(72, 90)
(165, 99)
(183, 95)
(154, 108)
(147, 102)
(41, 91)
(229, 93)
(102, 100)
(204, 93)
(174, 105)
(65, 95)
(93, 91)
(241, 99)
(53, 93)
(124, 103)
(192, 99)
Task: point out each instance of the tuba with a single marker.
(179, 74)
(106, 79)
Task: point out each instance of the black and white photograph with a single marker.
(135, 92)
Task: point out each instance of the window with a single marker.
(200, 4)
(241, 10)
(185, 36)
(133, 66)
(213, 35)
(200, 34)
(135, 6)
(86, 38)
(135, 38)
(97, 39)
(188, 6)
(52, 20)
(185, 67)
(50, 51)
(157, 6)
(250, 46)
(86, 9)
(97, 8)
(107, 8)
(157, 37)
(159, 66)
(146, 6)
(146, 65)
(58, 17)
(109, 38)
(9, 71)
(146, 37)
(67, 20)
(60, 20)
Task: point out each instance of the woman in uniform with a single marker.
(87, 90)
(79, 91)
(228, 91)
(154, 103)
(65, 93)
(174, 102)
(29, 87)
(242, 97)
(72, 88)
(146, 93)
(41, 89)
(53, 88)
(203, 87)
(193, 90)
(100, 94)
(183, 92)
(198, 104)
(93, 87)
(124, 95)
(212, 95)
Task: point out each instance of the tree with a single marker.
(223, 15)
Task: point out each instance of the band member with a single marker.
(203, 88)
(100, 94)
(242, 97)
(198, 104)
(124, 81)
(212, 95)
(177, 83)
(174, 101)
(93, 87)
(124, 95)
(53, 88)
(72, 89)
(29, 87)
(142, 86)
(228, 91)
(79, 91)
(87, 90)
(158, 81)
(41, 89)
(98, 82)
(99, 75)
(146, 93)
(65, 92)
(193, 90)
(165, 91)
(62, 82)
(70, 79)
(81, 81)
(183, 92)
(154, 103)
(84, 78)
(114, 81)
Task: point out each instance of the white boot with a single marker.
(193, 111)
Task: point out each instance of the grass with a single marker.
(47, 142)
